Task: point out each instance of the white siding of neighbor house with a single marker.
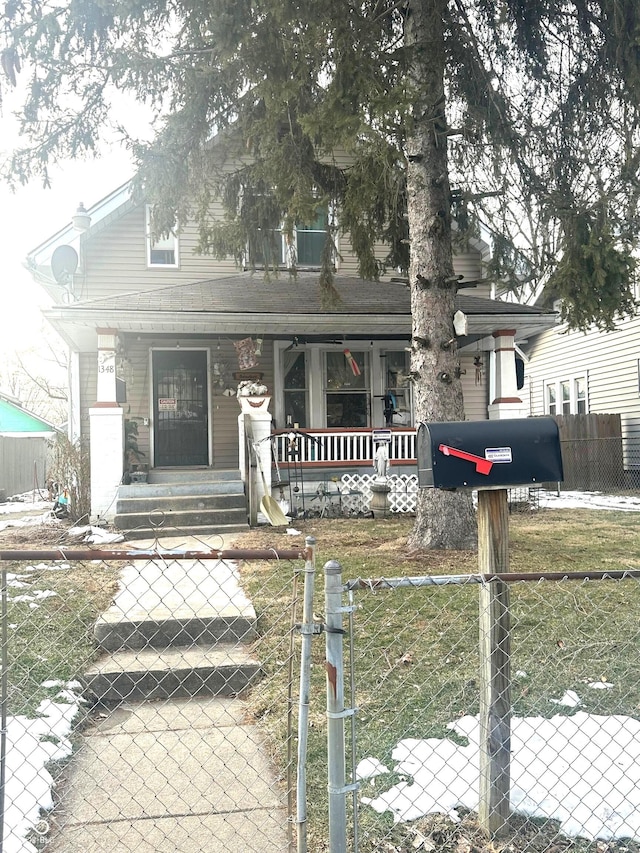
(608, 360)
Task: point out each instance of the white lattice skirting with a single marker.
(357, 494)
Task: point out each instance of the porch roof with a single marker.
(247, 304)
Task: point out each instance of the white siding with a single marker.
(609, 360)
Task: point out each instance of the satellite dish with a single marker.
(64, 262)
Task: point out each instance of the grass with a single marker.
(50, 636)
(416, 657)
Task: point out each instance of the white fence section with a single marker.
(341, 446)
(357, 494)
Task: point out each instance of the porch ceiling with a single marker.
(246, 305)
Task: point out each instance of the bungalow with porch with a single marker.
(161, 337)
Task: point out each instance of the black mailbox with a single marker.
(489, 454)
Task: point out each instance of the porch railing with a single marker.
(340, 447)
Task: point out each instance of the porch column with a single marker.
(106, 425)
(256, 408)
(507, 403)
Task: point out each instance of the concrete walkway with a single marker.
(185, 774)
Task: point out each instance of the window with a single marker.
(396, 399)
(162, 252)
(305, 249)
(580, 389)
(566, 396)
(295, 388)
(550, 402)
(347, 391)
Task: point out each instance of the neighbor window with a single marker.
(566, 396)
(161, 252)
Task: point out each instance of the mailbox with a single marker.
(488, 454)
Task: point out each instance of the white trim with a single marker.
(557, 383)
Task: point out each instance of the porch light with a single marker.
(81, 220)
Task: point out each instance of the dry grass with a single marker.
(416, 658)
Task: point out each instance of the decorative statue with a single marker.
(381, 461)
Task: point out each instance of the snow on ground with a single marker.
(31, 745)
(589, 500)
(581, 770)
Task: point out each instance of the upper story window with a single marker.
(566, 396)
(161, 252)
(303, 248)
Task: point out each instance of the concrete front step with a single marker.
(182, 519)
(115, 634)
(193, 475)
(145, 532)
(177, 672)
(168, 503)
(139, 491)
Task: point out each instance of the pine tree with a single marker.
(518, 115)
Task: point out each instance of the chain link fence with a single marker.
(125, 720)
(607, 464)
(433, 748)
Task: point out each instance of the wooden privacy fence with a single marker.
(592, 451)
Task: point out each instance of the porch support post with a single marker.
(507, 402)
(106, 426)
(261, 420)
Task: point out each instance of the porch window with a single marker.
(397, 387)
(162, 252)
(347, 389)
(295, 388)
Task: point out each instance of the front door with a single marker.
(180, 408)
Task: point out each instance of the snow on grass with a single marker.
(31, 745)
(582, 771)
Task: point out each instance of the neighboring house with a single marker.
(593, 372)
(160, 335)
(24, 447)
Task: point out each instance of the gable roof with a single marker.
(16, 420)
(247, 304)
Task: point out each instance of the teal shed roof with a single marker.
(14, 419)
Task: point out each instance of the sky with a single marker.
(33, 213)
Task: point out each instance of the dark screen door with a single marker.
(180, 408)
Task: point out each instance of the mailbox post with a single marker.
(488, 456)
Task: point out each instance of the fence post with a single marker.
(495, 651)
(306, 630)
(335, 708)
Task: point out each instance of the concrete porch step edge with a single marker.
(222, 670)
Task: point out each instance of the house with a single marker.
(24, 447)
(162, 336)
(591, 373)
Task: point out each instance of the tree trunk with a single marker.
(443, 519)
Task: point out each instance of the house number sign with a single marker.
(106, 376)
